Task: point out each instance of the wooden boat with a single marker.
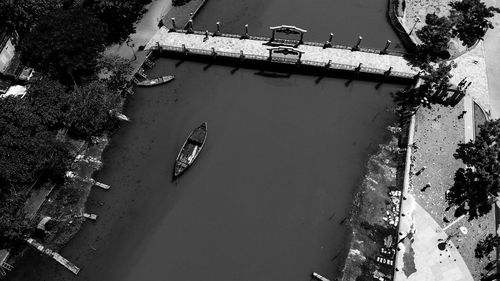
(155, 81)
(190, 149)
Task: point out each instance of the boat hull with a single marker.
(190, 150)
(155, 82)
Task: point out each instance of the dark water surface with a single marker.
(265, 199)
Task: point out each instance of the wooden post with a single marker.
(245, 36)
(356, 47)
(217, 33)
(328, 43)
(384, 51)
(300, 56)
(358, 69)
(328, 64)
(190, 27)
(273, 35)
(174, 26)
(301, 38)
(270, 54)
(388, 72)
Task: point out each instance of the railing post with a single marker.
(174, 26)
(190, 27)
(358, 69)
(245, 36)
(328, 64)
(384, 51)
(217, 33)
(328, 43)
(388, 72)
(356, 47)
(298, 60)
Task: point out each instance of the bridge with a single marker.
(283, 53)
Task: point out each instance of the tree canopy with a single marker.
(471, 20)
(90, 111)
(65, 43)
(21, 15)
(435, 36)
(28, 150)
(477, 185)
(119, 16)
(433, 81)
(49, 100)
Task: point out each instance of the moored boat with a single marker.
(155, 81)
(190, 149)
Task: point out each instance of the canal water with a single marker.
(268, 194)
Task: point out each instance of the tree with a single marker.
(483, 249)
(435, 36)
(476, 186)
(22, 15)
(115, 71)
(49, 100)
(65, 43)
(90, 111)
(485, 246)
(13, 224)
(29, 152)
(434, 80)
(471, 20)
(119, 15)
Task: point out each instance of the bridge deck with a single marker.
(230, 45)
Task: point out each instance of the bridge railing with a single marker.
(331, 65)
(296, 42)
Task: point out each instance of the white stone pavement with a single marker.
(431, 263)
(256, 47)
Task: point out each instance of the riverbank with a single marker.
(373, 215)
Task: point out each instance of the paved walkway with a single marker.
(145, 28)
(431, 263)
(257, 48)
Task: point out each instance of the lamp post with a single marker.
(415, 24)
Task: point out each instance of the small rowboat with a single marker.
(190, 149)
(155, 81)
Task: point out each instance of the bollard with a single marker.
(358, 69)
(245, 36)
(388, 72)
(384, 51)
(158, 46)
(242, 56)
(356, 47)
(190, 15)
(328, 64)
(217, 33)
(190, 27)
(206, 36)
(214, 53)
(174, 26)
(184, 49)
(328, 43)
